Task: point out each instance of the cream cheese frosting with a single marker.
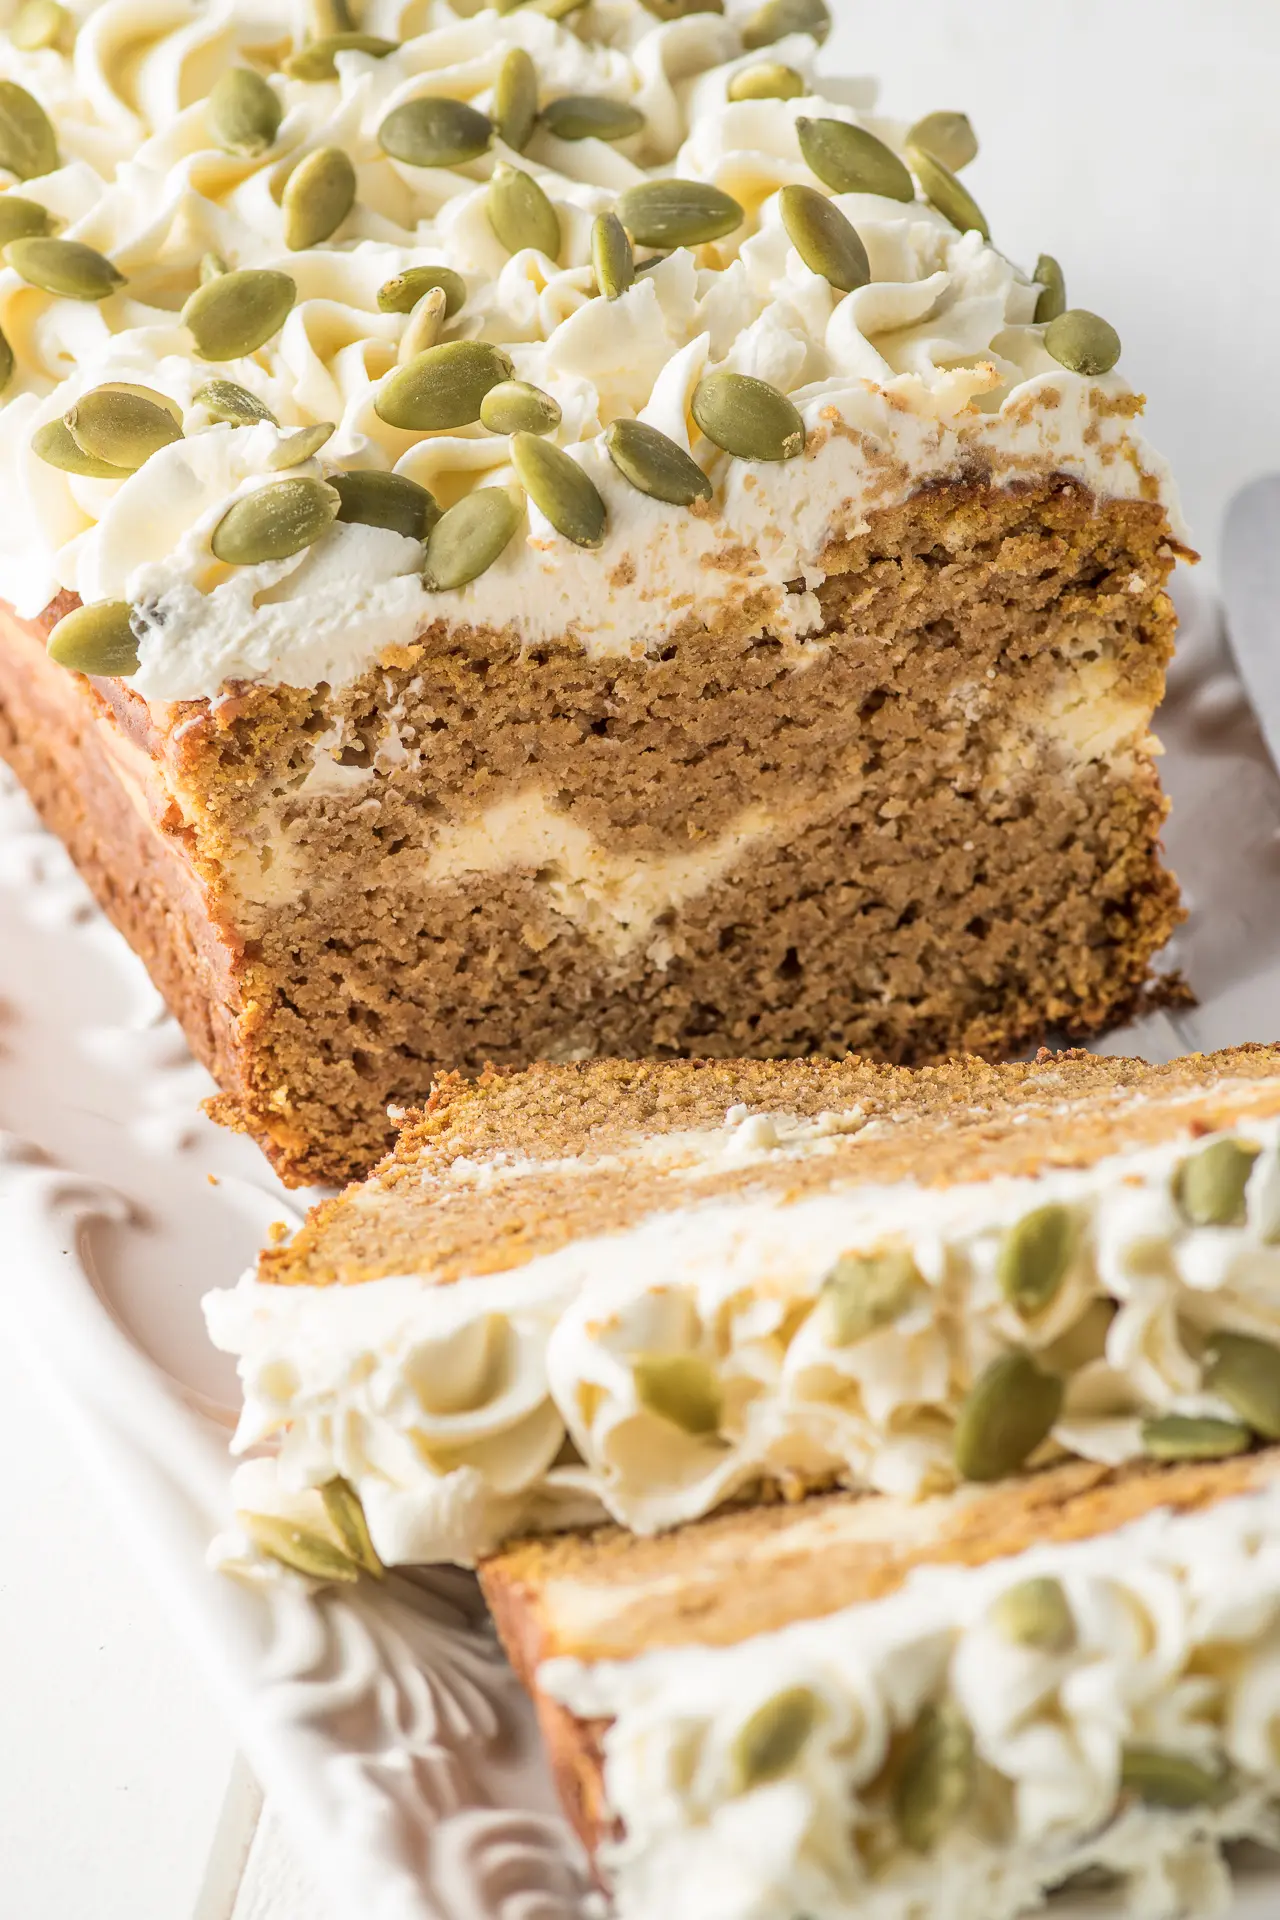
(1169, 1646)
(934, 369)
(462, 1412)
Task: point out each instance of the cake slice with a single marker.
(640, 1291)
(940, 1712)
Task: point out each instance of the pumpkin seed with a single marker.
(232, 404)
(655, 465)
(520, 213)
(677, 213)
(346, 1516)
(21, 218)
(28, 144)
(318, 196)
(1034, 1257)
(465, 541)
(443, 387)
(1245, 1372)
(238, 312)
(243, 112)
(212, 265)
(560, 489)
(680, 9)
(316, 60)
(275, 521)
(66, 268)
(300, 446)
(123, 428)
(777, 18)
(1083, 341)
(328, 16)
(591, 116)
(98, 639)
(850, 160)
(424, 327)
(1036, 1613)
(949, 137)
(1084, 1341)
(679, 1387)
(1160, 1777)
(54, 445)
(773, 1738)
(767, 82)
(371, 499)
(866, 1291)
(1209, 1187)
(611, 256)
(1006, 1414)
(555, 9)
(943, 191)
(936, 1776)
(1188, 1436)
(403, 291)
(434, 131)
(513, 406)
(515, 99)
(748, 417)
(1053, 289)
(39, 24)
(826, 241)
(298, 1547)
(6, 363)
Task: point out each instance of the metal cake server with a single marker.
(1251, 596)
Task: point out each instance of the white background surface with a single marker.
(1138, 140)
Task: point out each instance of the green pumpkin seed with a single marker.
(513, 406)
(393, 500)
(943, 191)
(949, 137)
(298, 1547)
(28, 144)
(318, 196)
(556, 9)
(678, 213)
(442, 387)
(520, 213)
(54, 445)
(1006, 1414)
(1083, 342)
(866, 1291)
(243, 112)
(826, 242)
(655, 465)
(1084, 1341)
(1160, 1777)
(325, 17)
(465, 541)
(679, 1387)
(767, 82)
(680, 9)
(1209, 1186)
(228, 402)
(97, 639)
(121, 427)
(39, 24)
(1187, 1436)
(1053, 289)
(316, 60)
(238, 312)
(275, 521)
(748, 417)
(1034, 1258)
(434, 131)
(936, 1777)
(1245, 1372)
(403, 291)
(302, 445)
(850, 160)
(777, 18)
(20, 219)
(424, 326)
(515, 99)
(560, 489)
(6, 363)
(1036, 1613)
(346, 1516)
(612, 256)
(66, 268)
(773, 1738)
(212, 267)
(590, 116)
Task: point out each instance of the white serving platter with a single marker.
(383, 1723)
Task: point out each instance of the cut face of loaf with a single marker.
(642, 1292)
